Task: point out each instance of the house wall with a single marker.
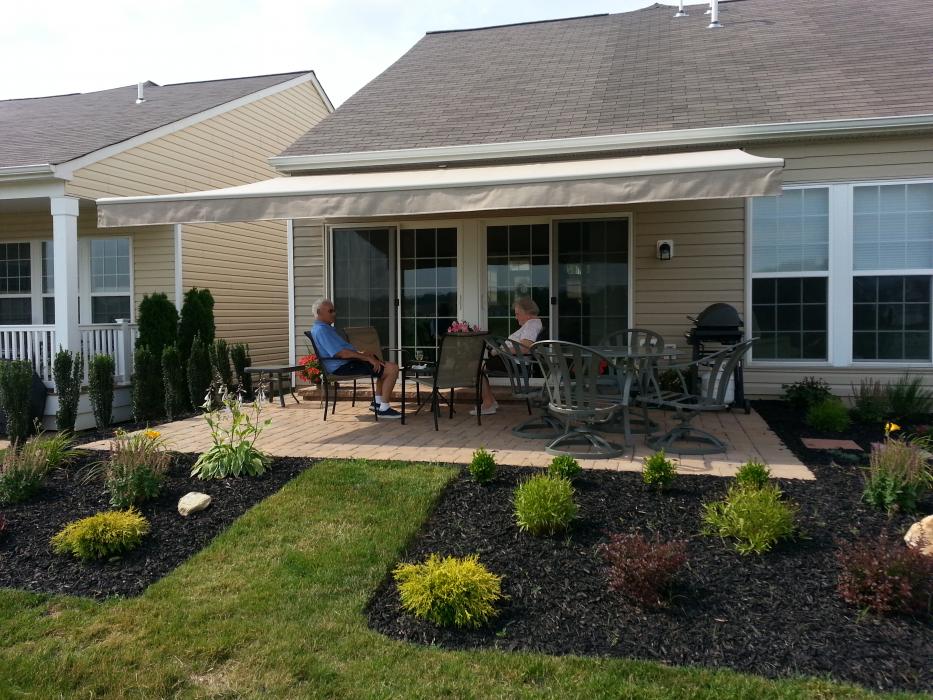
(244, 265)
(152, 246)
(709, 244)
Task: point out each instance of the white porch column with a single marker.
(65, 255)
(179, 280)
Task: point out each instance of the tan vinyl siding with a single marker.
(244, 265)
(309, 277)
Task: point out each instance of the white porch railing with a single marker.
(37, 344)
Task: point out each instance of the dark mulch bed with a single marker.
(774, 615)
(27, 561)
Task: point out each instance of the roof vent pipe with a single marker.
(140, 97)
(680, 10)
(714, 22)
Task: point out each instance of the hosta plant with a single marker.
(102, 535)
(234, 427)
(448, 591)
(544, 505)
(755, 518)
(482, 466)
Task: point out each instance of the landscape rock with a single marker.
(193, 502)
(921, 530)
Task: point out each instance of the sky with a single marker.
(64, 46)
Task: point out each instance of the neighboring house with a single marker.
(59, 154)
(551, 158)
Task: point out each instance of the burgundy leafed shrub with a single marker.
(885, 576)
(642, 569)
(2, 526)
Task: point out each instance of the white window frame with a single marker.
(31, 294)
(841, 274)
(84, 280)
(38, 314)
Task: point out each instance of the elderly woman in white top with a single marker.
(529, 330)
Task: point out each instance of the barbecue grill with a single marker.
(715, 327)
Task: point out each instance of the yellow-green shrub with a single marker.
(544, 505)
(102, 535)
(482, 466)
(755, 518)
(449, 591)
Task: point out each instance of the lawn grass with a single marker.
(273, 607)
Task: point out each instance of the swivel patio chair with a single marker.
(572, 382)
(459, 366)
(634, 338)
(688, 404)
(644, 368)
(332, 381)
(519, 367)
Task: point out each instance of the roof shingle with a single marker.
(775, 61)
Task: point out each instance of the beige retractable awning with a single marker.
(388, 194)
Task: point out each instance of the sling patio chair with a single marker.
(718, 369)
(366, 338)
(519, 367)
(459, 366)
(574, 387)
(331, 382)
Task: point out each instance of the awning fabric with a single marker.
(388, 194)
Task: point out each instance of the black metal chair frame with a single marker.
(328, 379)
(519, 367)
(351, 333)
(689, 404)
(437, 381)
(573, 384)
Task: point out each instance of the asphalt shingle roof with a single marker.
(642, 71)
(64, 127)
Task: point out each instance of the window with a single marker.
(111, 295)
(15, 284)
(790, 269)
(48, 283)
(428, 259)
(517, 265)
(891, 318)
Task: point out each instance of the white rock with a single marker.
(922, 528)
(193, 502)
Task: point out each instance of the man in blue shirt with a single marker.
(339, 357)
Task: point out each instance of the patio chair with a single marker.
(366, 338)
(688, 403)
(644, 368)
(573, 385)
(519, 367)
(332, 381)
(459, 366)
(634, 338)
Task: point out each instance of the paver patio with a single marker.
(299, 431)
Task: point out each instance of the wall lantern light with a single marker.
(665, 250)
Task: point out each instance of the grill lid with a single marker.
(718, 316)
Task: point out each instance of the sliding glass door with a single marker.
(363, 265)
(592, 279)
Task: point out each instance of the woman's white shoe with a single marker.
(486, 410)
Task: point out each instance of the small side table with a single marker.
(279, 374)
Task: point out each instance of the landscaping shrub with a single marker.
(482, 466)
(102, 535)
(908, 401)
(544, 505)
(220, 361)
(15, 390)
(136, 468)
(755, 518)
(658, 471)
(175, 383)
(449, 592)
(197, 319)
(234, 431)
(899, 474)
(753, 475)
(564, 467)
(100, 389)
(23, 470)
(158, 323)
(870, 401)
(239, 355)
(641, 569)
(829, 416)
(68, 372)
(200, 375)
(3, 526)
(148, 385)
(809, 391)
(885, 576)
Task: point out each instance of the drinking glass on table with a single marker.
(419, 359)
